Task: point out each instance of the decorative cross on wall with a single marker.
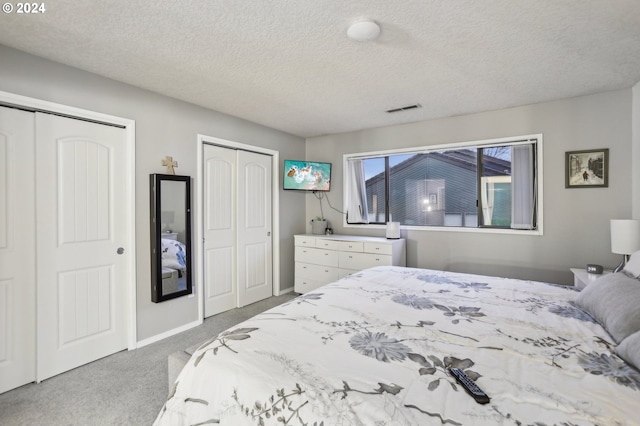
(168, 161)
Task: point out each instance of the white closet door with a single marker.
(238, 254)
(81, 229)
(17, 250)
(254, 228)
(220, 290)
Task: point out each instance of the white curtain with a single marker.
(357, 210)
(487, 195)
(522, 187)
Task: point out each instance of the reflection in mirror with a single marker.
(171, 275)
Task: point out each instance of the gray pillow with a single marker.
(629, 349)
(614, 301)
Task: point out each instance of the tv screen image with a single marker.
(307, 175)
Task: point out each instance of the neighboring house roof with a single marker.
(493, 166)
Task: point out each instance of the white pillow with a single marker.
(632, 268)
(629, 349)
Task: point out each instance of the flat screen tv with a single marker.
(307, 175)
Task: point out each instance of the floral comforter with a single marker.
(374, 348)
(174, 255)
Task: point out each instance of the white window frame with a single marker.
(486, 143)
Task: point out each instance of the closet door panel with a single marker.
(255, 260)
(81, 232)
(220, 290)
(17, 249)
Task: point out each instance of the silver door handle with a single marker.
(120, 250)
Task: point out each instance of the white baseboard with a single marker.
(281, 292)
(169, 333)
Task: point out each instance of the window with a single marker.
(487, 184)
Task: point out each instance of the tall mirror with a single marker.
(171, 274)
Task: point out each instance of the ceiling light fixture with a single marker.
(363, 29)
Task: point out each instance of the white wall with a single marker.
(576, 221)
(164, 126)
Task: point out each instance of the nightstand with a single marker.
(581, 278)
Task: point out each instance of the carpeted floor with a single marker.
(127, 388)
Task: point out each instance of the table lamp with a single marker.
(625, 239)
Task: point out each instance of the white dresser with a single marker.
(321, 259)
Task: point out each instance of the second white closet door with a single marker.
(255, 264)
(238, 265)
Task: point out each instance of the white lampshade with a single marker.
(625, 236)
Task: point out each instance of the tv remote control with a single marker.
(470, 386)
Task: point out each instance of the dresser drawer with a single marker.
(304, 241)
(378, 248)
(360, 261)
(304, 285)
(346, 272)
(316, 256)
(339, 245)
(322, 273)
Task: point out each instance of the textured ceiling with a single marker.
(287, 64)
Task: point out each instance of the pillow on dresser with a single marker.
(629, 349)
(614, 301)
(632, 268)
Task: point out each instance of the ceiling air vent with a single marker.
(404, 108)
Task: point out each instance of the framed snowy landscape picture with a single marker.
(587, 169)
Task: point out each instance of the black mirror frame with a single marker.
(155, 181)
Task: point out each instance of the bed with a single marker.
(174, 266)
(374, 349)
